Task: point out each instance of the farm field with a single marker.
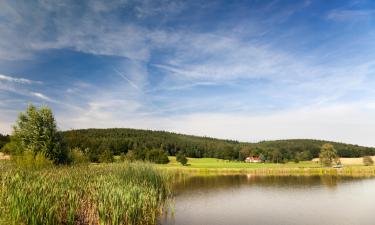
(219, 163)
(207, 166)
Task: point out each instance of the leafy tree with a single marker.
(276, 156)
(35, 131)
(181, 158)
(157, 156)
(367, 161)
(327, 155)
(262, 157)
(244, 153)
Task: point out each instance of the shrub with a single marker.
(367, 161)
(181, 158)
(157, 156)
(130, 156)
(106, 156)
(12, 147)
(28, 160)
(77, 156)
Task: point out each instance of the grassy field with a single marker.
(217, 166)
(219, 163)
(93, 194)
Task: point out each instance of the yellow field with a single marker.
(349, 161)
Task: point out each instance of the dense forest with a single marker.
(120, 141)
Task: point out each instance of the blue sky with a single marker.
(245, 70)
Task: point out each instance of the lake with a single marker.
(246, 199)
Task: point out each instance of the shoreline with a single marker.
(350, 171)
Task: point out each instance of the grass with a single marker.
(94, 194)
(212, 163)
(208, 166)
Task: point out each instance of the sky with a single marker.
(242, 70)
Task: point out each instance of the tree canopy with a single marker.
(328, 154)
(35, 131)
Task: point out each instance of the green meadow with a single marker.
(211, 166)
(213, 163)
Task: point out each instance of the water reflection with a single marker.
(209, 183)
(262, 200)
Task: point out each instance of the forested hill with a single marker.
(121, 140)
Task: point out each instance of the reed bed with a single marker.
(125, 193)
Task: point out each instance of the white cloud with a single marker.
(42, 96)
(18, 80)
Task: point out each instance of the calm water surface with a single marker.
(239, 200)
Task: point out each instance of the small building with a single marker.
(253, 159)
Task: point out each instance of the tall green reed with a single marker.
(96, 194)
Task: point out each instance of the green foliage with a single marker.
(181, 158)
(130, 156)
(141, 141)
(101, 194)
(77, 156)
(327, 155)
(157, 156)
(36, 131)
(276, 156)
(12, 147)
(28, 161)
(367, 161)
(106, 156)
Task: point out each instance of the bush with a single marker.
(181, 158)
(157, 156)
(106, 156)
(12, 147)
(130, 156)
(28, 160)
(77, 156)
(367, 161)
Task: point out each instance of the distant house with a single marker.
(253, 159)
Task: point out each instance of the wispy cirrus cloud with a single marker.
(42, 96)
(350, 14)
(18, 80)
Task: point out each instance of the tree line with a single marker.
(139, 142)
